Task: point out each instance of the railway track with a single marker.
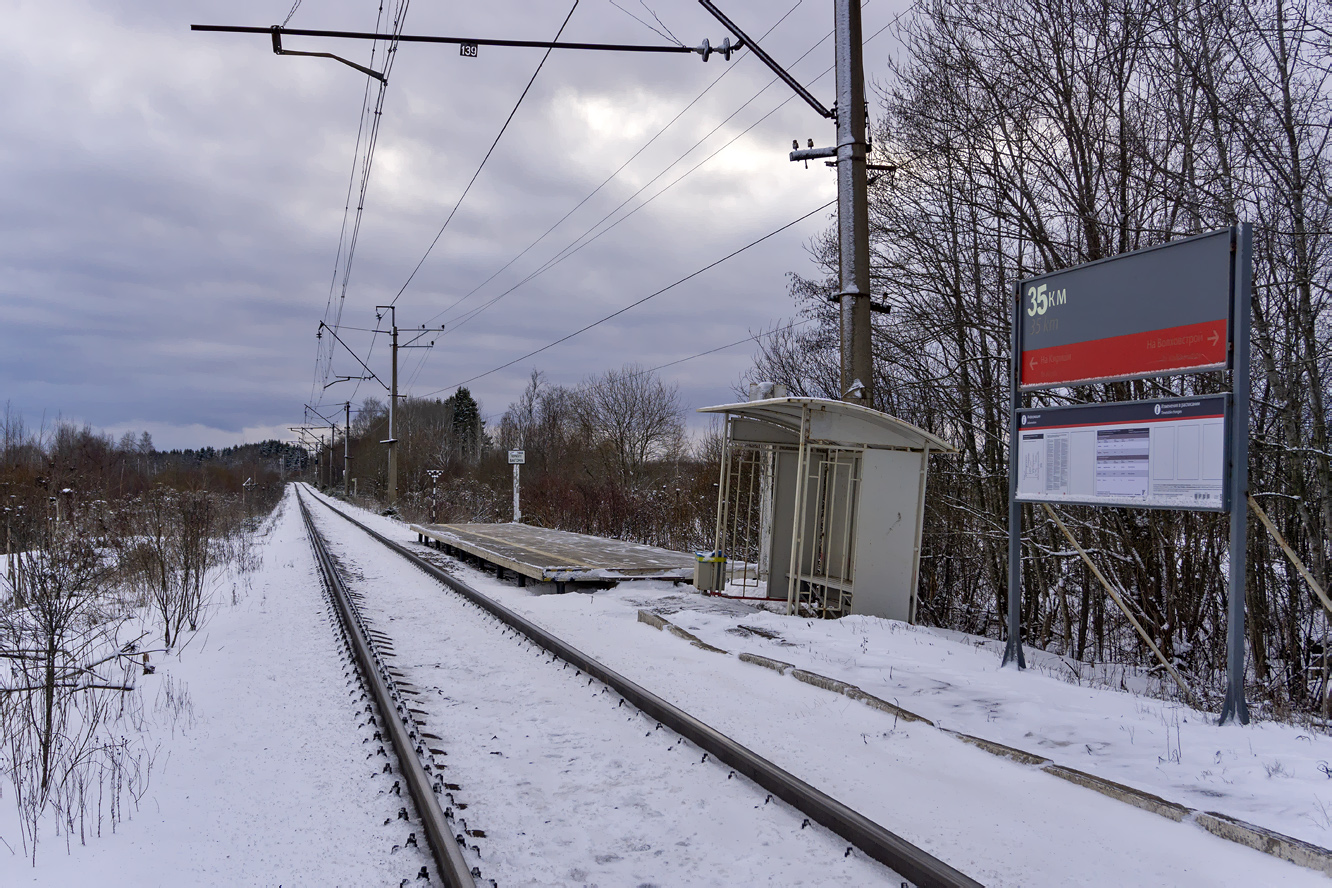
(445, 829)
(394, 715)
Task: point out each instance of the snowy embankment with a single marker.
(1001, 822)
(260, 776)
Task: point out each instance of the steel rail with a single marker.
(453, 868)
(913, 863)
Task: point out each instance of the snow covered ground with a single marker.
(263, 778)
(1000, 822)
(568, 786)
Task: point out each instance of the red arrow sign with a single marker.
(1191, 347)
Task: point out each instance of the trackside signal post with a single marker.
(1179, 308)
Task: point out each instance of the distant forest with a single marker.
(73, 470)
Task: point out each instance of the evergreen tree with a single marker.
(466, 424)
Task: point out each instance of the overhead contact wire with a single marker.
(472, 181)
(343, 262)
(572, 246)
(639, 302)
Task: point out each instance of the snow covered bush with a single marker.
(64, 672)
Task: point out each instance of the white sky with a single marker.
(173, 202)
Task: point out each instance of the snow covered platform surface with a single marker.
(558, 556)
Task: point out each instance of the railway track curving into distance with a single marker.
(456, 849)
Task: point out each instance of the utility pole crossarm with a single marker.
(812, 153)
(410, 343)
(276, 31)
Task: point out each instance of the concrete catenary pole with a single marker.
(393, 441)
(346, 449)
(857, 375)
(853, 294)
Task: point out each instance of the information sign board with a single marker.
(1182, 307)
(1161, 310)
(517, 457)
(1161, 454)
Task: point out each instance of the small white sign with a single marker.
(517, 457)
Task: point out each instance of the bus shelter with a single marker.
(821, 504)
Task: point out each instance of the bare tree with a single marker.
(66, 666)
(1031, 136)
(174, 555)
(631, 417)
(544, 422)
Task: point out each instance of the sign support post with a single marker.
(1013, 650)
(516, 459)
(1235, 707)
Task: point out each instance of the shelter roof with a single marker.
(837, 422)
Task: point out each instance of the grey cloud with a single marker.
(173, 202)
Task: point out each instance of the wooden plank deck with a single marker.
(558, 556)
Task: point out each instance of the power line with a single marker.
(500, 135)
(440, 233)
(755, 337)
(461, 197)
(639, 302)
(725, 71)
(575, 246)
(346, 213)
(294, 7)
(366, 164)
(569, 250)
(467, 317)
(663, 34)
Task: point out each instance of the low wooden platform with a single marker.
(558, 556)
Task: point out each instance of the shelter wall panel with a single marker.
(887, 548)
